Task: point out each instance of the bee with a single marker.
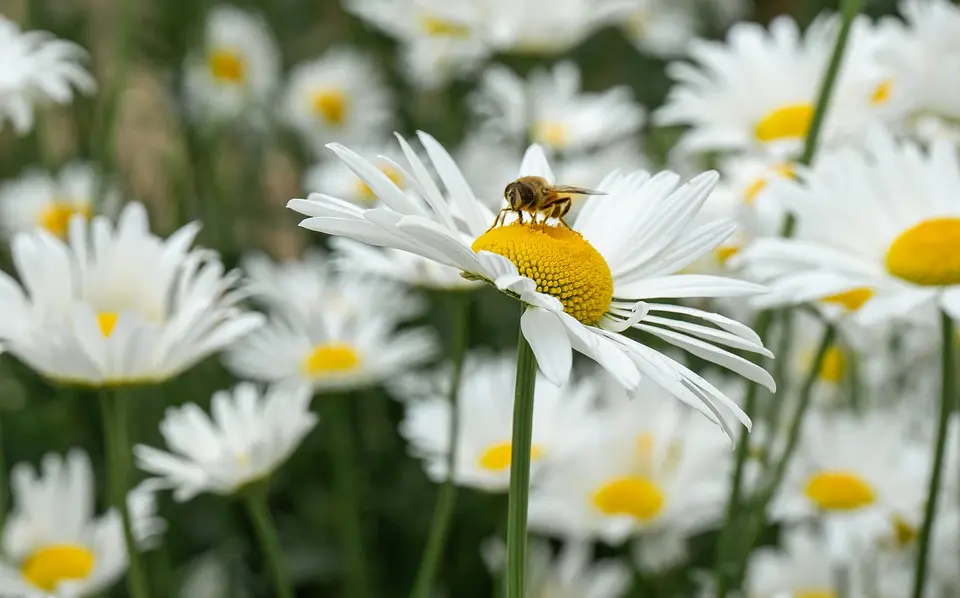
(534, 195)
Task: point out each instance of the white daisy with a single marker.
(486, 419)
(883, 222)
(582, 286)
(756, 91)
(53, 544)
(638, 465)
(238, 69)
(250, 434)
(37, 67)
(117, 305)
(548, 26)
(661, 27)
(37, 198)
(552, 110)
(803, 567)
(339, 96)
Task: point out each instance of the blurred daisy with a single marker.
(117, 305)
(756, 91)
(339, 96)
(53, 544)
(661, 27)
(250, 434)
(237, 70)
(883, 223)
(548, 26)
(946, 546)
(638, 465)
(552, 110)
(38, 199)
(803, 567)
(37, 67)
(486, 421)
(583, 286)
(332, 177)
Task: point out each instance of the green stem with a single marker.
(255, 501)
(343, 461)
(520, 469)
(948, 392)
(114, 410)
(442, 512)
(3, 481)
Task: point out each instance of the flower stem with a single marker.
(520, 469)
(255, 501)
(948, 391)
(3, 481)
(443, 510)
(114, 410)
(343, 461)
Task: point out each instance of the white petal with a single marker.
(535, 163)
(548, 340)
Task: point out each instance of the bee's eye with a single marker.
(527, 194)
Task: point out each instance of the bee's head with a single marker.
(519, 194)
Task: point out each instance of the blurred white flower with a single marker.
(208, 577)
(250, 434)
(803, 567)
(661, 27)
(40, 199)
(548, 26)
(340, 96)
(118, 305)
(882, 224)
(486, 421)
(551, 109)
(53, 544)
(332, 177)
(581, 287)
(37, 67)
(945, 546)
(642, 463)
(236, 72)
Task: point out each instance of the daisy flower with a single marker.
(340, 95)
(118, 305)
(580, 287)
(486, 418)
(53, 544)
(37, 66)
(756, 91)
(802, 567)
(638, 465)
(892, 240)
(237, 70)
(548, 26)
(660, 27)
(552, 110)
(250, 434)
(39, 199)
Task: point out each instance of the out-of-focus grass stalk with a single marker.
(520, 469)
(948, 392)
(3, 480)
(114, 410)
(443, 510)
(255, 501)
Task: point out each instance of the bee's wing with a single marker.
(567, 189)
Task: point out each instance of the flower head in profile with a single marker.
(548, 27)
(54, 544)
(581, 286)
(36, 66)
(116, 304)
(249, 435)
(661, 27)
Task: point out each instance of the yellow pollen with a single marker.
(553, 134)
(49, 566)
(437, 27)
(839, 491)
(834, 366)
(330, 105)
(56, 216)
(754, 189)
(366, 194)
(107, 321)
(725, 252)
(787, 122)
(881, 93)
(814, 594)
(852, 299)
(560, 261)
(903, 531)
(227, 66)
(928, 253)
(497, 457)
(631, 495)
(332, 358)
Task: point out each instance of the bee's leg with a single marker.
(561, 210)
(520, 216)
(499, 218)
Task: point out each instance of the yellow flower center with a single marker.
(903, 531)
(839, 491)
(631, 495)
(834, 366)
(852, 300)
(107, 321)
(787, 122)
(725, 252)
(332, 358)
(927, 253)
(497, 457)
(227, 66)
(552, 134)
(560, 261)
(366, 194)
(330, 105)
(753, 190)
(49, 566)
(814, 594)
(437, 27)
(881, 92)
(56, 216)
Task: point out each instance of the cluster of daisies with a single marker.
(633, 307)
